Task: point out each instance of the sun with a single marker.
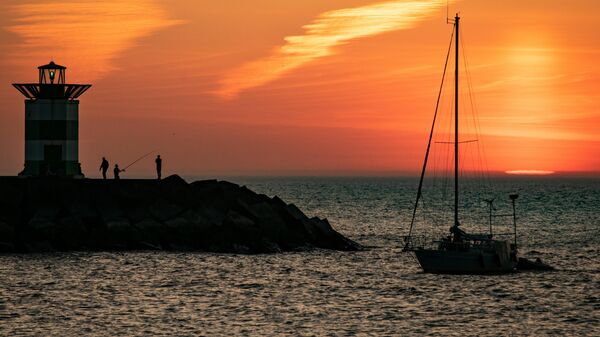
(530, 172)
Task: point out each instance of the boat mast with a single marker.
(456, 21)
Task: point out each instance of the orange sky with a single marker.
(306, 86)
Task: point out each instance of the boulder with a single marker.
(269, 221)
(7, 237)
(7, 247)
(180, 224)
(203, 188)
(109, 210)
(239, 222)
(39, 247)
(69, 234)
(174, 188)
(324, 236)
(11, 199)
(199, 220)
(39, 228)
(149, 232)
(81, 209)
(96, 231)
(138, 213)
(163, 209)
(121, 234)
(45, 214)
(295, 212)
(211, 215)
(12, 195)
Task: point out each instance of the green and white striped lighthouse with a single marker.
(51, 123)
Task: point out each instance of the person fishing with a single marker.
(116, 171)
(104, 167)
(158, 162)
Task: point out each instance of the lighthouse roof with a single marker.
(52, 65)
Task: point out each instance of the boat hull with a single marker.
(463, 262)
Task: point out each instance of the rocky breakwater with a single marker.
(45, 214)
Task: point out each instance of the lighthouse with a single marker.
(51, 123)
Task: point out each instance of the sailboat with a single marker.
(461, 252)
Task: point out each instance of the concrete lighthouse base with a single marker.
(52, 137)
(61, 214)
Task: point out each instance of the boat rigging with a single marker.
(460, 252)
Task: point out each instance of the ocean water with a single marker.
(379, 292)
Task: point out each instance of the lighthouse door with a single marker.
(53, 158)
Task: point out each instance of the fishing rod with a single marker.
(140, 158)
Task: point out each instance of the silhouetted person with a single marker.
(116, 171)
(457, 233)
(104, 167)
(158, 162)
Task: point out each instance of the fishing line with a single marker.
(140, 158)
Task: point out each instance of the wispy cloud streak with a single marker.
(83, 34)
(329, 30)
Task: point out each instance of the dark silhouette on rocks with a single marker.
(55, 214)
(117, 171)
(104, 167)
(158, 162)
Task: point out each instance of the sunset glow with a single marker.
(309, 86)
(530, 172)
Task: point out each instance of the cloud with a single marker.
(84, 35)
(329, 30)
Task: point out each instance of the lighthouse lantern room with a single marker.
(51, 123)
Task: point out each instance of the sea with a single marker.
(380, 291)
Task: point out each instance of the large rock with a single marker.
(121, 233)
(7, 237)
(183, 234)
(64, 214)
(149, 233)
(163, 210)
(40, 227)
(70, 234)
